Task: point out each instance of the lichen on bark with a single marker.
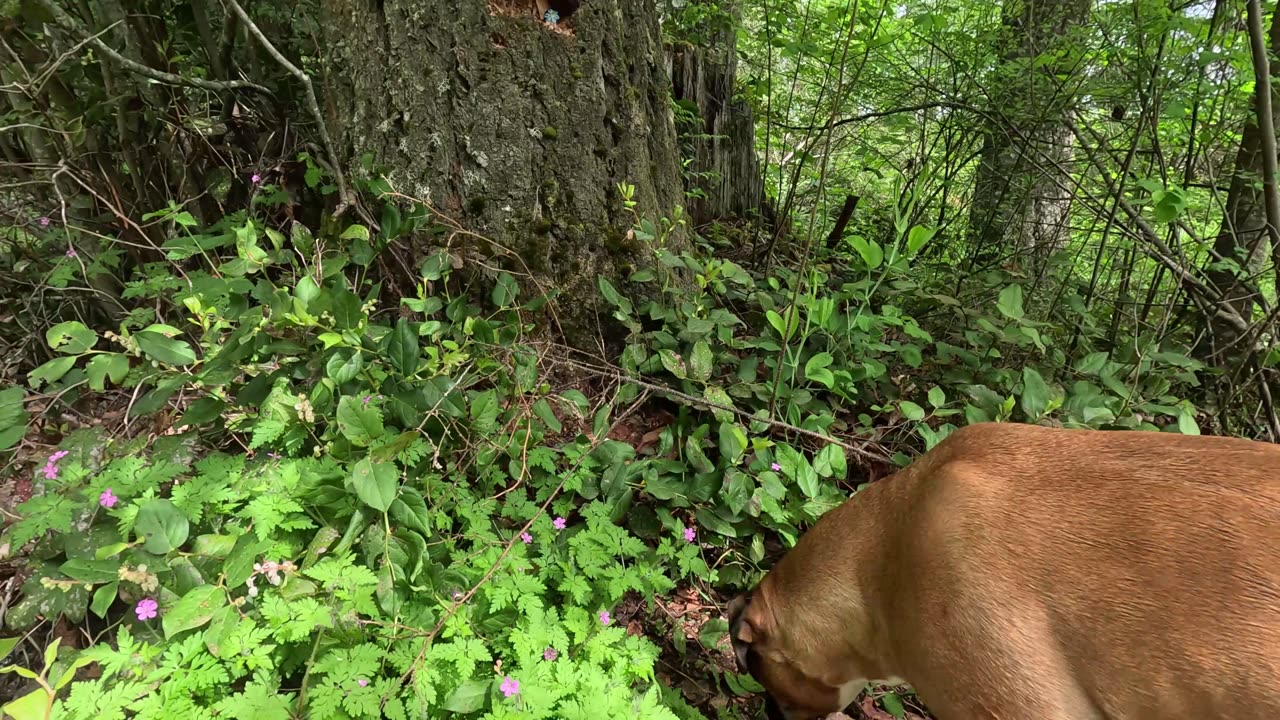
(520, 133)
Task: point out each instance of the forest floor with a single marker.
(676, 622)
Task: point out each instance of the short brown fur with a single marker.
(1017, 572)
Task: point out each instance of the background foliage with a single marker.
(280, 445)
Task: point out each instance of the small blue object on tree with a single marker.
(551, 16)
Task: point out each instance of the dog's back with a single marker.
(1027, 573)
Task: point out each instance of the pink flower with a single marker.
(775, 467)
(44, 222)
(690, 534)
(509, 686)
(604, 617)
(526, 537)
(550, 654)
(255, 179)
(108, 499)
(274, 455)
(362, 682)
(147, 609)
(71, 252)
(51, 467)
(457, 594)
(559, 523)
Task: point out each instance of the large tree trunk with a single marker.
(1022, 193)
(519, 131)
(1242, 238)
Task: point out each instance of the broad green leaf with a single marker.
(355, 232)
(359, 422)
(484, 410)
(13, 417)
(918, 237)
(195, 609)
(808, 480)
(32, 706)
(1093, 363)
(306, 291)
(71, 338)
(505, 291)
(544, 412)
(714, 522)
(51, 372)
(7, 645)
(344, 365)
(612, 295)
(410, 510)
(402, 348)
(162, 526)
(816, 369)
(733, 442)
(166, 350)
(780, 324)
(830, 462)
(1010, 302)
(1035, 394)
(375, 483)
(871, 252)
(937, 397)
(673, 363)
(716, 394)
(893, 705)
(911, 411)
(467, 698)
(90, 571)
(1187, 420)
(348, 312)
(700, 361)
(103, 598)
(698, 459)
(106, 365)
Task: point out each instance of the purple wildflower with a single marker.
(44, 221)
(51, 467)
(526, 537)
(147, 608)
(559, 523)
(510, 686)
(775, 467)
(362, 682)
(690, 534)
(71, 252)
(108, 499)
(550, 654)
(255, 179)
(604, 617)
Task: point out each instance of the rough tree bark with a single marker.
(519, 131)
(1242, 238)
(1022, 195)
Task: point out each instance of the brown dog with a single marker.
(1017, 572)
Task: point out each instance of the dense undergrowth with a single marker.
(324, 500)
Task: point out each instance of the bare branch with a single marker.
(68, 23)
(312, 105)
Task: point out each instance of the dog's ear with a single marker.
(742, 632)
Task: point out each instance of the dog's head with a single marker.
(797, 688)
